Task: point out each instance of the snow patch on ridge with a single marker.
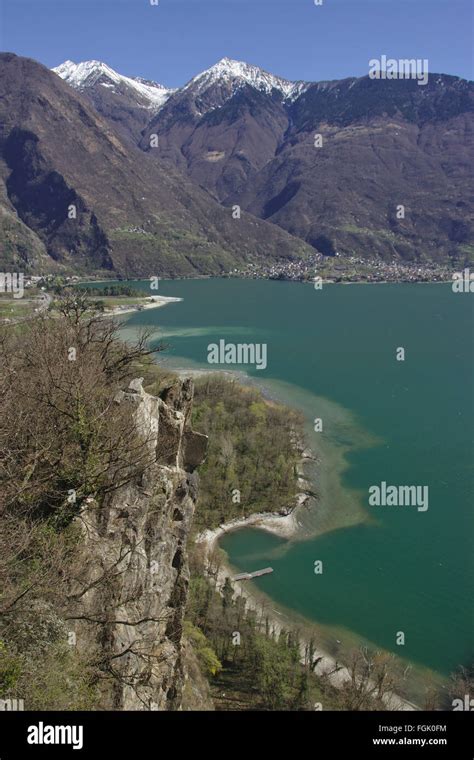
(84, 75)
(239, 73)
(236, 74)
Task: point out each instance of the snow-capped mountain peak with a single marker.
(88, 74)
(239, 73)
(92, 75)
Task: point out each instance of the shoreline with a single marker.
(328, 281)
(156, 303)
(285, 526)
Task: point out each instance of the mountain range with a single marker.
(375, 168)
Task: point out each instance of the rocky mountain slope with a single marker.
(393, 175)
(251, 138)
(133, 621)
(77, 196)
(382, 144)
(129, 102)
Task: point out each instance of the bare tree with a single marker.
(373, 679)
(63, 437)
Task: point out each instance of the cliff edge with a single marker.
(127, 611)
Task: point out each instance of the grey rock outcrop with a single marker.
(127, 611)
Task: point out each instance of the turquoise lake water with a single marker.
(332, 354)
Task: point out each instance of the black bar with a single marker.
(315, 734)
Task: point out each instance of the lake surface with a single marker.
(332, 354)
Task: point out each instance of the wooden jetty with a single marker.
(256, 574)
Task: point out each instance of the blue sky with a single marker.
(175, 40)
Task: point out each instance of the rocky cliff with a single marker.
(127, 610)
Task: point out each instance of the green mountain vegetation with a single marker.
(77, 197)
